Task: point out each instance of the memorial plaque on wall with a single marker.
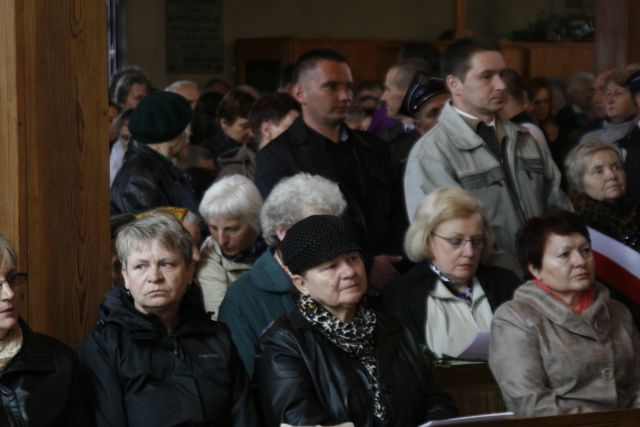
(194, 37)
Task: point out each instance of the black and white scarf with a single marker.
(466, 295)
(355, 338)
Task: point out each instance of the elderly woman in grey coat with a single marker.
(562, 345)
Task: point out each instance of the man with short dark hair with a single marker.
(474, 148)
(320, 144)
(271, 115)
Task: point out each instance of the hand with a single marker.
(382, 272)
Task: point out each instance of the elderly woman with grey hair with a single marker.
(449, 296)
(154, 357)
(231, 208)
(598, 183)
(265, 292)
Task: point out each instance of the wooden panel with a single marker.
(612, 33)
(517, 57)
(634, 33)
(622, 418)
(12, 151)
(55, 71)
(370, 58)
(561, 59)
(472, 387)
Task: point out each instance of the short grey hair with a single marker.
(7, 252)
(578, 160)
(175, 86)
(234, 196)
(439, 206)
(156, 227)
(296, 198)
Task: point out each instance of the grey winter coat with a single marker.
(549, 360)
(452, 154)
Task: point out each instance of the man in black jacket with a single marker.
(320, 144)
(148, 177)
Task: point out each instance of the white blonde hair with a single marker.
(234, 196)
(439, 206)
(296, 198)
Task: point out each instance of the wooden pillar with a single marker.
(54, 186)
(612, 33)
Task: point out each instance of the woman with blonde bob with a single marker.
(449, 296)
(231, 208)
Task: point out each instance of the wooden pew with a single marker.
(620, 418)
(472, 387)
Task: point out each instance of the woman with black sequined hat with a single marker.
(332, 359)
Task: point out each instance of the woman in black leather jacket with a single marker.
(155, 358)
(39, 376)
(332, 359)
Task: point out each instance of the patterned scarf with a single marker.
(355, 338)
(466, 295)
(10, 345)
(619, 220)
(249, 255)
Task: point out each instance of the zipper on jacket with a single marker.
(177, 349)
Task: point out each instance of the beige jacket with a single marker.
(215, 274)
(549, 360)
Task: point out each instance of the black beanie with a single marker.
(315, 240)
(159, 117)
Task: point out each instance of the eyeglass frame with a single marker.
(453, 241)
(20, 279)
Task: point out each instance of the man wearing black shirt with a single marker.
(319, 143)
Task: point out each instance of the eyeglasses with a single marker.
(14, 279)
(457, 242)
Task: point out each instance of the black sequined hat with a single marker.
(315, 240)
(422, 88)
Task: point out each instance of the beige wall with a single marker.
(400, 20)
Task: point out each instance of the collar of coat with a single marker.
(268, 275)
(466, 137)
(33, 357)
(301, 134)
(141, 149)
(594, 322)
(387, 332)
(118, 309)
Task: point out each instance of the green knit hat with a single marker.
(159, 117)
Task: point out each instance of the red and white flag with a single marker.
(616, 264)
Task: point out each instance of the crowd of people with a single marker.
(306, 256)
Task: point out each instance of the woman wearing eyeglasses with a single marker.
(449, 296)
(39, 383)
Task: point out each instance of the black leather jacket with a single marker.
(41, 385)
(139, 376)
(147, 180)
(302, 379)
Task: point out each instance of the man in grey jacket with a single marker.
(473, 148)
